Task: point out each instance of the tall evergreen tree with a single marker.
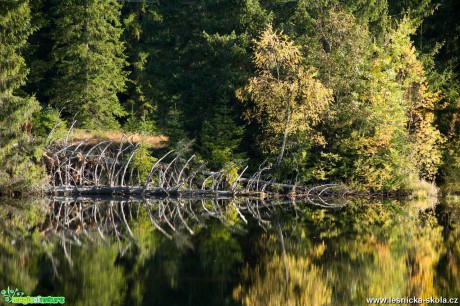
(199, 53)
(214, 64)
(90, 61)
(135, 99)
(38, 53)
(16, 146)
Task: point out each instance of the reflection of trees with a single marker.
(115, 253)
(20, 252)
(219, 250)
(449, 266)
(93, 278)
(149, 244)
(393, 251)
(370, 250)
(305, 284)
(169, 216)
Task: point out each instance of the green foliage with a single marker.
(38, 52)
(142, 161)
(416, 9)
(324, 168)
(173, 127)
(231, 171)
(221, 137)
(143, 125)
(200, 54)
(425, 138)
(451, 169)
(364, 91)
(17, 147)
(89, 61)
(288, 99)
(382, 124)
(47, 124)
(135, 19)
(399, 136)
(219, 251)
(382, 143)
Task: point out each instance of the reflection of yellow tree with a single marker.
(449, 269)
(422, 256)
(289, 280)
(381, 275)
(370, 250)
(403, 263)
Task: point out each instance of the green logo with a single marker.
(9, 294)
(17, 297)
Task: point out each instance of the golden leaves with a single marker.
(285, 94)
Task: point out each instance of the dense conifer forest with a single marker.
(361, 92)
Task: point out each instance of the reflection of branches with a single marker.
(54, 264)
(327, 191)
(114, 218)
(76, 220)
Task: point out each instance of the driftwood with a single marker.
(146, 192)
(86, 168)
(327, 191)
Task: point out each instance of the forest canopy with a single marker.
(364, 93)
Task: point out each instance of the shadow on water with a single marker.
(229, 252)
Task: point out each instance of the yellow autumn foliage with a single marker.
(286, 95)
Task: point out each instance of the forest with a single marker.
(364, 93)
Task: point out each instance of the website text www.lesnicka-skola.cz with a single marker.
(412, 300)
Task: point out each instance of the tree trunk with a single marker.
(285, 136)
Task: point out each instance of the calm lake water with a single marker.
(229, 253)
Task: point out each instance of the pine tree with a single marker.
(16, 146)
(90, 61)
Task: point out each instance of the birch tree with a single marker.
(284, 96)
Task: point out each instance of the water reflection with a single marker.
(220, 252)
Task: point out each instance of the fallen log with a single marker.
(145, 192)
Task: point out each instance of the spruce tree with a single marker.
(89, 60)
(38, 52)
(16, 146)
(199, 53)
(137, 99)
(221, 136)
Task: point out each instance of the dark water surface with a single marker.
(229, 253)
